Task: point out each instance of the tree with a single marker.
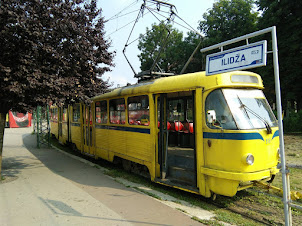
(286, 16)
(51, 50)
(171, 57)
(190, 43)
(228, 19)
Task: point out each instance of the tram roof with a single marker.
(184, 82)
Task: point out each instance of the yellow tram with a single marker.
(203, 134)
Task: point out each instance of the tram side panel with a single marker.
(101, 129)
(122, 129)
(101, 141)
(54, 127)
(62, 125)
(76, 126)
(64, 121)
(138, 136)
(109, 128)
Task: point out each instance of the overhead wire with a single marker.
(156, 13)
(121, 28)
(124, 15)
(116, 17)
(188, 28)
(133, 3)
(192, 29)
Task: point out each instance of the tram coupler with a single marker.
(294, 195)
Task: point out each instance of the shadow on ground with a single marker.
(67, 167)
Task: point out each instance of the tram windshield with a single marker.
(240, 109)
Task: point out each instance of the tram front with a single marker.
(241, 139)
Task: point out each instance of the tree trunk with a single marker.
(2, 126)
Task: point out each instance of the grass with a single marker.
(295, 178)
(208, 222)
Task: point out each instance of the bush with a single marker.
(293, 122)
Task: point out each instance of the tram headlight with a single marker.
(249, 159)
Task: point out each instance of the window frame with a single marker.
(142, 110)
(64, 114)
(78, 113)
(102, 121)
(226, 107)
(119, 115)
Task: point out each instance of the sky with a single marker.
(126, 11)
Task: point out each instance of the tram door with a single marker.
(87, 131)
(176, 138)
(60, 124)
(163, 134)
(63, 125)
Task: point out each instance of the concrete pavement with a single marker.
(45, 187)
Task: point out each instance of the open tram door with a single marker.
(176, 140)
(87, 131)
(63, 125)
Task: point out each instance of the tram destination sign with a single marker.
(240, 58)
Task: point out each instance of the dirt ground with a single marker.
(293, 149)
(268, 209)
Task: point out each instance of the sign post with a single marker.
(214, 67)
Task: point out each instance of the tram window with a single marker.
(117, 111)
(176, 110)
(216, 101)
(64, 115)
(88, 115)
(76, 113)
(101, 111)
(138, 110)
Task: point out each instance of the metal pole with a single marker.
(48, 126)
(189, 60)
(280, 124)
(244, 37)
(38, 127)
(34, 120)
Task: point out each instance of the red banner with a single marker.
(17, 119)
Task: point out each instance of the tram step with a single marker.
(177, 183)
(181, 161)
(182, 174)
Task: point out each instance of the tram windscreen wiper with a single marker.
(243, 106)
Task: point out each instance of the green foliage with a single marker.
(293, 122)
(227, 20)
(286, 16)
(150, 44)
